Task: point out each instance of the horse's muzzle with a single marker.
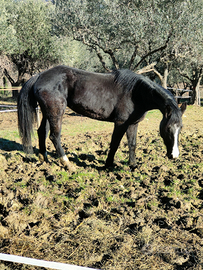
(172, 156)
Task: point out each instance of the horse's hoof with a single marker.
(28, 149)
(66, 163)
(109, 167)
(133, 167)
(71, 168)
(41, 157)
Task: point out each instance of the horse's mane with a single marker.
(128, 80)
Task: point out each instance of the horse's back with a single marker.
(88, 93)
(71, 78)
(95, 95)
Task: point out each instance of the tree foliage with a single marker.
(31, 46)
(130, 33)
(144, 36)
(7, 31)
(163, 37)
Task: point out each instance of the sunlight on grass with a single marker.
(83, 125)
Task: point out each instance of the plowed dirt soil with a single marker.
(151, 218)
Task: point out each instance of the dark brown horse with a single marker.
(122, 97)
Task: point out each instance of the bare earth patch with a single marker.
(151, 218)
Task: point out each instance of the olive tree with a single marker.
(7, 31)
(124, 32)
(140, 35)
(190, 64)
(184, 53)
(28, 43)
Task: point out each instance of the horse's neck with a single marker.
(157, 100)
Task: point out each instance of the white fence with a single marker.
(8, 106)
(40, 263)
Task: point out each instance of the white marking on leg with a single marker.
(65, 158)
(66, 163)
(175, 151)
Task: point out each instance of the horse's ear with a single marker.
(183, 107)
(168, 111)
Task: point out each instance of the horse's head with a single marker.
(170, 128)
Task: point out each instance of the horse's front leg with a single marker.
(132, 137)
(117, 135)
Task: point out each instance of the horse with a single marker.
(122, 97)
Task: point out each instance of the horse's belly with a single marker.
(95, 112)
(93, 107)
(97, 103)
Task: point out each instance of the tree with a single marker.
(32, 47)
(184, 52)
(190, 64)
(140, 35)
(6, 35)
(193, 73)
(7, 31)
(115, 30)
(75, 54)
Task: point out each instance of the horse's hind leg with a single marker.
(55, 136)
(132, 136)
(42, 134)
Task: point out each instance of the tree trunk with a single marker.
(13, 83)
(196, 92)
(195, 81)
(165, 78)
(15, 94)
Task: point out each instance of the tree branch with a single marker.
(154, 51)
(94, 47)
(187, 76)
(101, 60)
(111, 53)
(133, 57)
(148, 54)
(183, 74)
(9, 77)
(147, 68)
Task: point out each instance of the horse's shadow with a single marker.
(7, 145)
(91, 161)
(84, 161)
(81, 160)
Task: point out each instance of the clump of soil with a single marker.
(149, 218)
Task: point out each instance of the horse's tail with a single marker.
(27, 113)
